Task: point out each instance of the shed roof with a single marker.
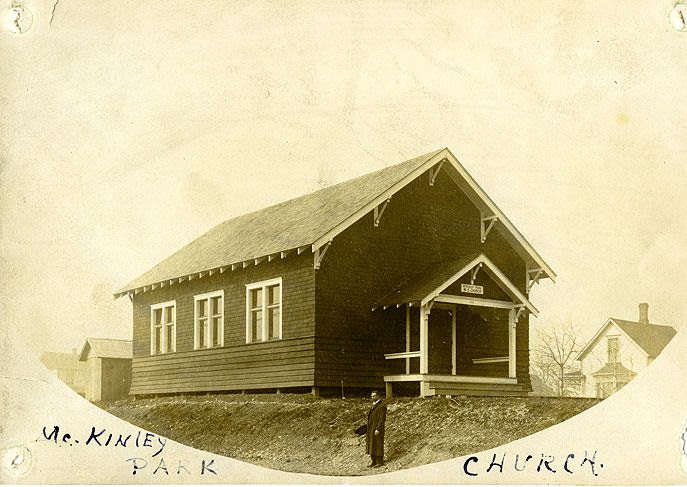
(316, 218)
(107, 348)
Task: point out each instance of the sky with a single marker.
(128, 129)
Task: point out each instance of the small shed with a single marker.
(109, 368)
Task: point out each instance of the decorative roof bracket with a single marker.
(475, 270)
(486, 224)
(434, 172)
(379, 210)
(430, 304)
(319, 254)
(519, 310)
(532, 280)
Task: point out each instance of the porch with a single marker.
(457, 385)
(457, 344)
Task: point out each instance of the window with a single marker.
(209, 320)
(613, 350)
(263, 311)
(163, 333)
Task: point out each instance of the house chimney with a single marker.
(644, 313)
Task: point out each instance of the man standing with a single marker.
(375, 430)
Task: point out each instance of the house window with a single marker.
(263, 310)
(209, 320)
(163, 334)
(613, 350)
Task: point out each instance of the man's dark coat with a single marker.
(375, 421)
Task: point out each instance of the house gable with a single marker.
(597, 366)
(490, 214)
(603, 331)
(422, 226)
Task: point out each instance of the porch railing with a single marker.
(392, 356)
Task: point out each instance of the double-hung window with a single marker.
(613, 350)
(163, 333)
(209, 320)
(263, 310)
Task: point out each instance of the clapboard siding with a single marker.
(246, 366)
(298, 306)
(422, 224)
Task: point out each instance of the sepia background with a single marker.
(127, 129)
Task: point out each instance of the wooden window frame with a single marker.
(164, 346)
(265, 307)
(196, 327)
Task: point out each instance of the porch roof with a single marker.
(615, 369)
(427, 284)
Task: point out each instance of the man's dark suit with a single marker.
(375, 432)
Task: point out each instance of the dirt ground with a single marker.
(300, 433)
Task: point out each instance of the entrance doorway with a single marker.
(440, 340)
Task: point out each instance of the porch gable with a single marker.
(429, 284)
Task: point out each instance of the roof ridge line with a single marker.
(636, 322)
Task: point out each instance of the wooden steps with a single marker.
(441, 388)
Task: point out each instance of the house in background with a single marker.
(409, 277)
(619, 351)
(68, 369)
(108, 363)
(573, 382)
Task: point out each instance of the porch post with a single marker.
(407, 337)
(424, 349)
(512, 323)
(424, 342)
(453, 340)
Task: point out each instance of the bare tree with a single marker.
(554, 354)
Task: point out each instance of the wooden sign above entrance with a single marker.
(471, 289)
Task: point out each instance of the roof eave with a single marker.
(242, 264)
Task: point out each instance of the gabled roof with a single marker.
(434, 278)
(650, 338)
(107, 348)
(314, 219)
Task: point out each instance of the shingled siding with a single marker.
(421, 224)
(288, 362)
